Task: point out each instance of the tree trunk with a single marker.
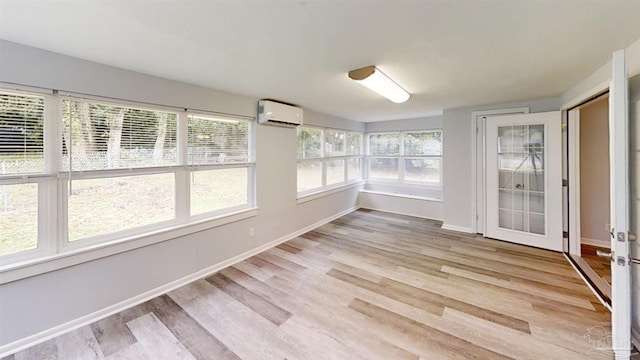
(115, 135)
(158, 148)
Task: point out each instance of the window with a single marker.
(412, 157)
(22, 171)
(95, 172)
(219, 163)
(327, 158)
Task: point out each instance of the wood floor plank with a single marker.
(200, 343)
(156, 341)
(269, 311)
(112, 334)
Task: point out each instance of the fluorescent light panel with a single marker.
(375, 80)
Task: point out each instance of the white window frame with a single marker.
(55, 251)
(401, 161)
(324, 159)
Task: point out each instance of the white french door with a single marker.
(619, 172)
(524, 179)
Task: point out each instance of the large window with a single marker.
(327, 158)
(410, 157)
(92, 172)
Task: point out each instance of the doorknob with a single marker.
(603, 254)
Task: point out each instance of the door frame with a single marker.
(618, 331)
(478, 174)
(552, 238)
(599, 286)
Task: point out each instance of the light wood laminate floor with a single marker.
(601, 266)
(370, 285)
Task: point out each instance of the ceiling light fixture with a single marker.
(375, 80)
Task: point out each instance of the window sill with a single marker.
(406, 196)
(43, 264)
(325, 192)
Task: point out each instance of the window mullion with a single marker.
(48, 194)
(182, 186)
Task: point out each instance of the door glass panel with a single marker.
(521, 168)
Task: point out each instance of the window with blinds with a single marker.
(115, 171)
(217, 140)
(220, 148)
(21, 134)
(327, 158)
(98, 136)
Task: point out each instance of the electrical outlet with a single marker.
(252, 232)
(607, 228)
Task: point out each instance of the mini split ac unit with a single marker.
(278, 114)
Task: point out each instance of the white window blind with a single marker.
(21, 134)
(217, 140)
(384, 144)
(99, 136)
(425, 143)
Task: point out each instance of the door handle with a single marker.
(603, 254)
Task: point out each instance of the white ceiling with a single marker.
(447, 53)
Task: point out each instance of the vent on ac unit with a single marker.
(278, 114)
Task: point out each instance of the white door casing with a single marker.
(477, 165)
(524, 198)
(619, 172)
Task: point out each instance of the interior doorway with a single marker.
(589, 192)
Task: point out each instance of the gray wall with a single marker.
(34, 304)
(424, 123)
(457, 159)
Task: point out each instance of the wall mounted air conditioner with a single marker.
(275, 113)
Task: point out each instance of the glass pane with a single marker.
(213, 190)
(309, 143)
(354, 143)
(354, 172)
(505, 219)
(309, 175)
(384, 144)
(521, 156)
(334, 143)
(423, 170)
(21, 134)
(335, 172)
(423, 143)
(383, 168)
(98, 136)
(103, 206)
(18, 218)
(217, 140)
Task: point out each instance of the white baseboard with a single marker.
(595, 242)
(463, 229)
(48, 334)
(397, 212)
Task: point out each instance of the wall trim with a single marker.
(463, 229)
(397, 212)
(58, 330)
(635, 337)
(595, 242)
